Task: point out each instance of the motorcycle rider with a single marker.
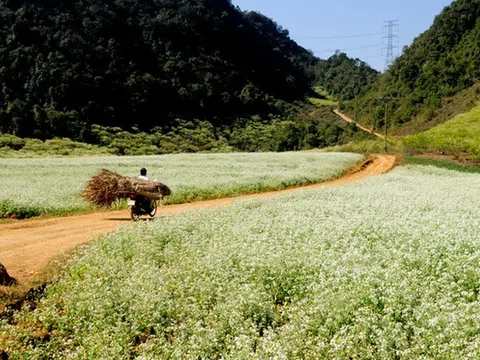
(145, 204)
(143, 174)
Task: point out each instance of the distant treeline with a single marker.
(345, 78)
(317, 130)
(65, 65)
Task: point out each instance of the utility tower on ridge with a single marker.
(390, 29)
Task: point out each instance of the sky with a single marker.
(310, 19)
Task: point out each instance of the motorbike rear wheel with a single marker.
(154, 211)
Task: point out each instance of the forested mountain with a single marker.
(345, 78)
(65, 65)
(440, 63)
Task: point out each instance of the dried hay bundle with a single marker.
(107, 186)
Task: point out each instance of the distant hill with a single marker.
(345, 78)
(65, 65)
(440, 63)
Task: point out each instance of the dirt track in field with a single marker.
(351, 121)
(26, 247)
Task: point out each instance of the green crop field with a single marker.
(457, 136)
(383, 269)
(32, 187)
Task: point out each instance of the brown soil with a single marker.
(361, 127)
(28, 246)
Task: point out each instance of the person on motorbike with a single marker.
(145, 204)
(143, 174)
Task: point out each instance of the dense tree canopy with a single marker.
(65, 65)
(344, 77)
(441, 62)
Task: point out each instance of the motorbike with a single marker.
(141, 206)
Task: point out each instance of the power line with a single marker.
(349, 49)
(342, 37)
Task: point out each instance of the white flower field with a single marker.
(388, 268)
(32, 187)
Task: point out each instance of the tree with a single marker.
(65, 65)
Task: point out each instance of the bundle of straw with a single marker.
(107, 186)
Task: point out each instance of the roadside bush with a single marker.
(8, 209)
(11, 141)
(13, 146)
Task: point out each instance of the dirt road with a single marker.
(349, 120)
(26, 247)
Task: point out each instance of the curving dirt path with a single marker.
(26, 247)
(349, 120)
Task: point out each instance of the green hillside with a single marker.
(440, 63)
(65, 65)
(344, 77)
(460, 135)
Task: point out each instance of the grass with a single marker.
(14, 297)
(457, 136)
(442, 164)
(325, 100)
(386, 268)
(376, 146)
(323, 93)
(33, 187)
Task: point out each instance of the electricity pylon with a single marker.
(390, 29)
